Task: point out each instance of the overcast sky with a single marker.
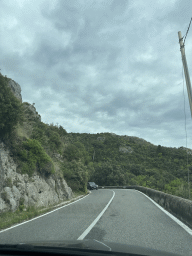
(97, 66)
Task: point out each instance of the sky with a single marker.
(96, 66)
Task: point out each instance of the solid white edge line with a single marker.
(42, 215)
(82, 236)
(187, 229)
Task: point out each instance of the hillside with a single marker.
(29, 169)
(127, 160)
(48, 151)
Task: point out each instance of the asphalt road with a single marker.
(131, 218)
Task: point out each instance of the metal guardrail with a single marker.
(125, 187)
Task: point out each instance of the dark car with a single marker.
(92, 185)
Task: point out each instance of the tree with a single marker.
(76, 175)
(10, 109)
(71, 153)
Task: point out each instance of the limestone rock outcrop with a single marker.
(125, 149)
(16, 89)
(31, 112)
(17, 189)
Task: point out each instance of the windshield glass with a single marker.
(96, 90)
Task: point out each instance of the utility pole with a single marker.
(188, 83)
(187, 78)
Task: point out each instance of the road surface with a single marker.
(118, 215)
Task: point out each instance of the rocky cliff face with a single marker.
(16, 89)
(17, 189)
(31, 112)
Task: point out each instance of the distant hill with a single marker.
(127, 160)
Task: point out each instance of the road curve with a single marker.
(130, 218)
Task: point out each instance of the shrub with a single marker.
(76, 175)
(34, 157)
(28, 168)
(62, 131)
(8, 182)
(71, 153)
(5, 197)
(10, 109)
(59, 129)
(39, 135)
(54, 140)
(77, 152)
(21, 204)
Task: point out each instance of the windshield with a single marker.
(96, 91)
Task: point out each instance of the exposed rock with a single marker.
(101, 138)
(136, 140)
(10, 199)
(31, 112)
(58, 156)
(125, 149)
(16, 89)
(3, 206)
(35, 191)
(188, 150)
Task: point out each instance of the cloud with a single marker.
(98, 66)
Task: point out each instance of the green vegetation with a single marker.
(10, 108)
(10, 218)
(8, 182)
(76, 175)
(21, 204)
(7, 219)
(32, 156)
(105, 158)
(75, 166)
(147, 165)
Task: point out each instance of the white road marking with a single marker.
(82, 236)
(43, 215)
(170, 215)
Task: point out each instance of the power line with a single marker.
(187, 31)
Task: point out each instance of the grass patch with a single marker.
(79, 193)
(22, 132)
(7, 219)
